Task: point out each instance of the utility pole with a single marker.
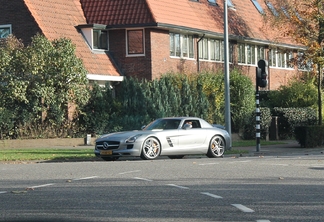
(227, 77)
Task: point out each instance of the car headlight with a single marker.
(132, 139)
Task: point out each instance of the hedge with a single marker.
(310, 136)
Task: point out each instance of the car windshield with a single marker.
(163, 124)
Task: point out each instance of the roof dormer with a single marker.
(96, 35)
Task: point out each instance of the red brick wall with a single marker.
(276, 78)
(139, 66)
(157, 60)
(163, 63)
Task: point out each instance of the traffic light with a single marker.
(262, 73)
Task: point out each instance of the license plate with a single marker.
(106, 152)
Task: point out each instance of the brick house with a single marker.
(147, 38)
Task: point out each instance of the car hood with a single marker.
(120, 135)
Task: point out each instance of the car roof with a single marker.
(181, 117)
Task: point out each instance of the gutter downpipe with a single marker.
(198, 63)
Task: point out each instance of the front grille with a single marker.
(107, 145)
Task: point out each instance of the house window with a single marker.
(203, 49)
(212, 2)
(191, 46)
(217, 50)
(100, 39)
(260, 53)
(272, 9)
(241, 53)
(230, 4)
(213, 49)
(258, 6)
(247, 54)
(289, 58)
(285, 12)
(250, 53)
(181, 45)
(5, 30)
(175, 44)
(272, 58)
(135, 42)
(280, 59)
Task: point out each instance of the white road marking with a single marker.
(278, 164)
(244, 161)
(243, 208)
(1, 192)
(134, 171)
(212, 195)
(86, 178)
(181, 187)
(263, 221)
(205, 164)
(39, 186)
(139, 178)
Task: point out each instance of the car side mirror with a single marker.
(143, 127)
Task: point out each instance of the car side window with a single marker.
(171, 124)
(193, 123)
(196, 124)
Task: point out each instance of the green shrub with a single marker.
(6, 123)
(242, 99)
(309, 136)
(297, 94)
(248, 129)
(289, 118)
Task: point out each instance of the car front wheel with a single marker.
(216, 147)
(151, 149)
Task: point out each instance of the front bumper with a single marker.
(122, 150)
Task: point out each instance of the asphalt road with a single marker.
(252, 188)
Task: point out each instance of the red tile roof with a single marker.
(243, 21)
(59, 18)
(116, 12)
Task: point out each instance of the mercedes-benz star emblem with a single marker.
(105, 145)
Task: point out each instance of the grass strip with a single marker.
(45, 154)
(51, 154)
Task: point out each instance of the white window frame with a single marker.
(248, 53)
(260, 52)
(181, 45)
(279, 58)
(205, 50)
(93, 39)
(128, 54)
(7, 26)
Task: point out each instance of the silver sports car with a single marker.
(174, 137)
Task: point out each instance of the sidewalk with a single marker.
(289, 147)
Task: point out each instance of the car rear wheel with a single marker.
(151, 149)
(216, 147)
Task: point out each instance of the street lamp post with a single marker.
(227, 77)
